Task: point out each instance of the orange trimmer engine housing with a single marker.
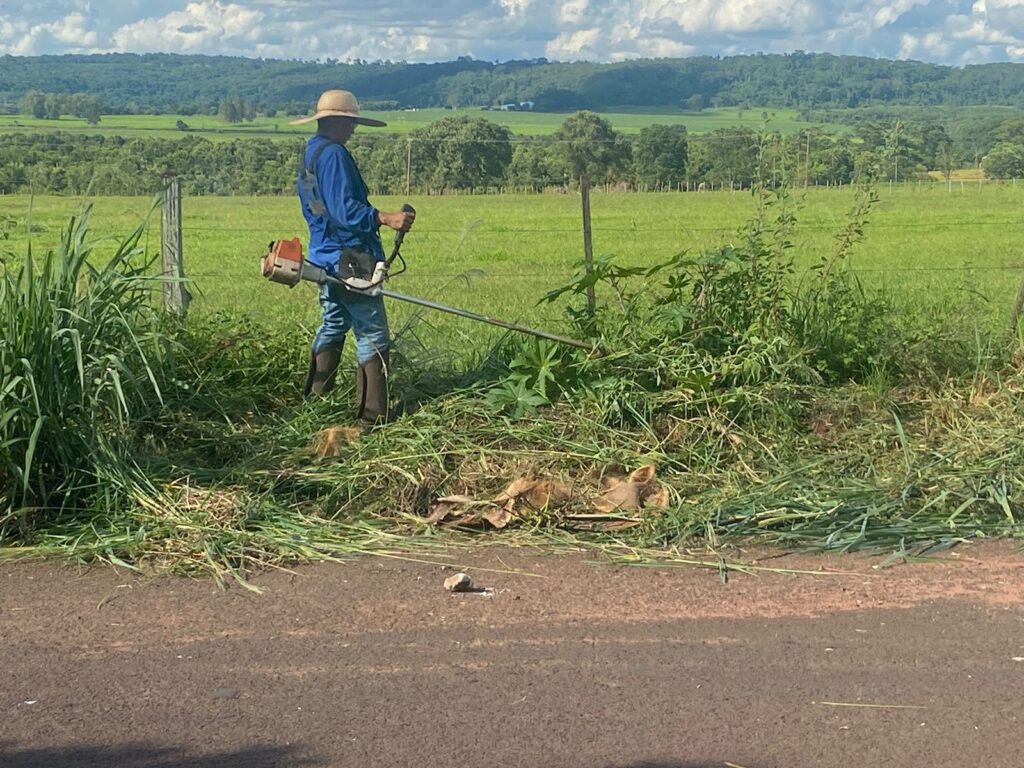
(283, 263)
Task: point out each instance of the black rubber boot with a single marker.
(323, 367)
(372, 397)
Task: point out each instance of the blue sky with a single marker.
(942, 31)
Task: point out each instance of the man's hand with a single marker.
(400, 221)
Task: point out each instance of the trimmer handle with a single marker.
(400, 236)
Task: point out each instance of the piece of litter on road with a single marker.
(460, 582)
(225, 693)
(1018, 658)
(869, 706)
(30, 702)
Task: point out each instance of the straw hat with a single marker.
(338, 103)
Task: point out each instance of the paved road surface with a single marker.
(564, 664)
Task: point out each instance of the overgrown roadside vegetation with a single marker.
(778, 406)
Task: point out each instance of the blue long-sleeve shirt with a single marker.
(350, 222)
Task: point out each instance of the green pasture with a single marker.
(403, 121)
(500, 254)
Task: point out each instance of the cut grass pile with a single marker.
(779, 406)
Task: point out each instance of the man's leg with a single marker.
(328, 342)
(370, 323)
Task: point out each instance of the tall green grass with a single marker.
(82, 356)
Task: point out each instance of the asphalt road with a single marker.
(564, 663)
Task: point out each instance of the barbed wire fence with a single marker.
(177, 295)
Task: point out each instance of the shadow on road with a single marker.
(151, 756)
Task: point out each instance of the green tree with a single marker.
(85, 106)
(948, 159)
(229, 109)
(531, 165)
(660, 154)
(33, 103)
(461, 152)
(53, 106)
(587, 144)
(1005, 161)
(725, 156)
(1011, 130)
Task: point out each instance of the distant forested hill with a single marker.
(152, 83)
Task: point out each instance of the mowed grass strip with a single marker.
(404, 121)
(930, 246)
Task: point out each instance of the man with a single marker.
(341, 220)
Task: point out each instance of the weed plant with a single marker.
(82, 357)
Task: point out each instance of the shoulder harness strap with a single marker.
(309, 183)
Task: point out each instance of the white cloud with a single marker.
(950, 31)
(198, 28)
(516, 7)
(931, 45)
(70, 33)
(574, 45)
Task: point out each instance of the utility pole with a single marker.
(807, 173)
(896, 150)
(408, 166)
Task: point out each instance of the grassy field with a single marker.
(523, 123)
(926, 244)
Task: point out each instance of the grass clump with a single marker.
(82, 358)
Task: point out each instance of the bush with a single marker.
(726, 322)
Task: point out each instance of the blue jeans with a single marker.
(363, 314)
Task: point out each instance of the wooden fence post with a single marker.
(588, 244)
(176, 295)
(1018, 307)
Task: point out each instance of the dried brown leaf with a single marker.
(498, 517)
(643, 476)
(657, 498)
(448, 507)
(624, 496)
(330, 442)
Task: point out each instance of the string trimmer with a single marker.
(285, 264)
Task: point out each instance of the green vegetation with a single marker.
(179, 84)
(401, 122)
(829, 370)
(79, 366)
(460, 152)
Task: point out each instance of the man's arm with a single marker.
(346, 203)
(344, 200)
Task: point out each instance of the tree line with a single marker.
(187, 84)
(466, 153)
(50, 106)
